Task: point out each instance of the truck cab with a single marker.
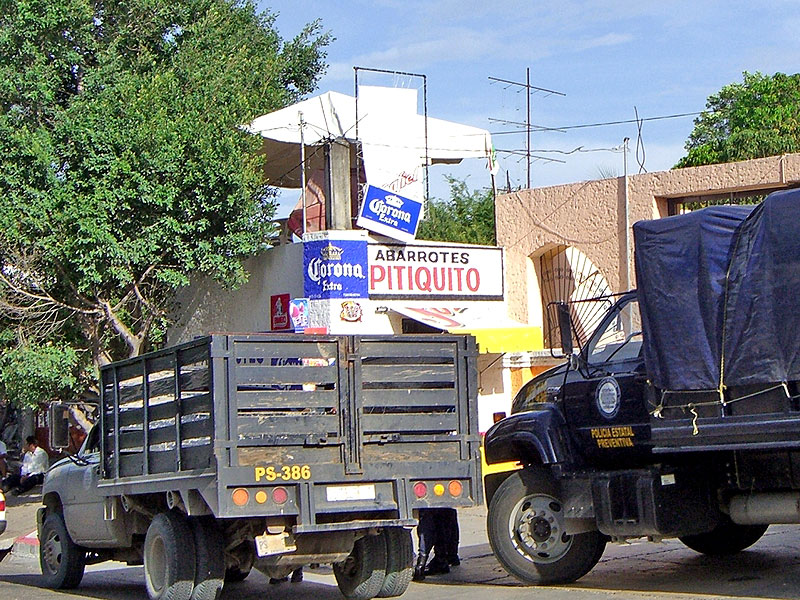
(597, 399)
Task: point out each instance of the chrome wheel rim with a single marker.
(52, 552)
(537, 531)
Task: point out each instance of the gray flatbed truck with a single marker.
(266, 451)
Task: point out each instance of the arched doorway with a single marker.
(567, 275)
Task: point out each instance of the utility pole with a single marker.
(529, 89)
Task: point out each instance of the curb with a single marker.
(26, 546)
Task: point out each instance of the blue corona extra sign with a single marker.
(335, 269)
(387, 213)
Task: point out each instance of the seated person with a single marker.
(34, 466)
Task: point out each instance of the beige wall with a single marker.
(590, 215)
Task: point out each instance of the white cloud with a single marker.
(609, 39)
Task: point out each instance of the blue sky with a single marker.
(607, 57)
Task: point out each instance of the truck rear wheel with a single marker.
(360, 576)
(725, 539)
(399, 562)
(210, 559)
(526, 527)
(169, 558)
(62, 560)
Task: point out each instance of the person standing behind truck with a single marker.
(34, 466)
(3, 464)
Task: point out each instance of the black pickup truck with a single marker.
(679, 416)
(266, 451)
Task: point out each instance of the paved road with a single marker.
(770, 570)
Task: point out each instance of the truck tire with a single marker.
(725, 539)
(169, 558)
(399, 562)
(360, 576)
(527, 534)
(209, 546)
(62, 560)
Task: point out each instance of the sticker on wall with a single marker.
(279, 312)
(298, 311)
(351, 312)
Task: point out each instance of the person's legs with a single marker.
(28, 483)
(439, 564)
(426, 535)
(10, 482)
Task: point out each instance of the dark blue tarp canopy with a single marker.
(722, 282)
(762, 323)
(681, 263)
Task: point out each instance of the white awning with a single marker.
(333, 115)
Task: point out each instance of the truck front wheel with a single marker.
(62, 560)
(725, 539)
(169, 558)
(526, 527)
(360, 576)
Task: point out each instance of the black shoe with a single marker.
(275, 580)
(436, 567)
(297, 575)
(454, 561)
(419, 569)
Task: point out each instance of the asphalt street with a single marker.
(769, 570)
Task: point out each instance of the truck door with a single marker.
(606, 408)
(83, 509)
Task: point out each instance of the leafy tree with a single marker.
(30, 374)
(468, 216)
(753, 119)
(123, 166)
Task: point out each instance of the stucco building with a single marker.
(574, 242)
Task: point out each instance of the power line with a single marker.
(605, 123)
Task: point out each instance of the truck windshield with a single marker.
(620, 338)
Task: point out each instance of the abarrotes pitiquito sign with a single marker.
(390, 214)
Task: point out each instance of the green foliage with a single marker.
(753, 119)
(30, 375)
(468, 216)
(123, 166)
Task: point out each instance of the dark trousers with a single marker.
(438, 531)
(22, 486)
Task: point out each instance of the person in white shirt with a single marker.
(34, 465)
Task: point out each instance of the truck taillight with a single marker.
(240, 496)
(280, 495)
(420, 489)
(455, 488)
(438, 490)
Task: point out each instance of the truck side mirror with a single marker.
(565, 327)
(58, 414)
